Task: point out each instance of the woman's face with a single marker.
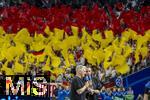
(88, 71)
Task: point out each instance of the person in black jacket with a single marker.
(78, 86)
(95, 85)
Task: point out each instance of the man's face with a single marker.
(83, 72)
(88, 71)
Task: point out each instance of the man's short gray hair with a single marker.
(80, 67)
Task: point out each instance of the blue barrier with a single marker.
(138, 80)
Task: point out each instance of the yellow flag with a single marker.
(58, 71)
(46, 68)
(12, 53)
(48, 50)
(126, 34)
(48, 32)
(144, 51)
(37, 46)
(123, 69)
(23, 36)
(72, 41)
(90, 41)
(56, 44)
(118, 60)
(88, 53)
(107, 64)
(97, 37)
(137, 56)
(74, 30)
(31, 58)
(7, 70)
(38, 37)
(84, 34)
(133, 33)
(72, 59)
(127, 51)
(2, 31)
(115, 42)
(123, 41)
(41, 57)
(55, 61)
(147, 34)
(58, 33)
(108, 52)
(18, 68)
(98, 55)
(109, 34)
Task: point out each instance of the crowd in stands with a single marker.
(62, 92)
(116, 18)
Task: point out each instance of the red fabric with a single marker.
(36, 19)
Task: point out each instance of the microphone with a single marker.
(90, 78)
(87, 78)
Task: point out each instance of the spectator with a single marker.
(130, 94)
(78, 87)
(93, 90)
(147, 91)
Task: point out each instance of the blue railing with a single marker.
(138, 80)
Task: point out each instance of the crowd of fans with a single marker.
(117, 17)
(62, 91)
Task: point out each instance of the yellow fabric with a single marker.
(2, 31)
(109, 34)
(88, 53)
(48, 50)
(23, 36)
(127, 50)
(58, 33)
(118, 60)
(90, 42)
(58, 71)
(72, 59)
(111, 49)
(18, 68)
(123, 68)
(55, 61)
(126, 34)
(7, 70)
(84, 34)
(56, 44)
(107, 64)
(48, 32)
(133, 33)
(144, 51)
(137, 56)
(108, 52)
(74, 30)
